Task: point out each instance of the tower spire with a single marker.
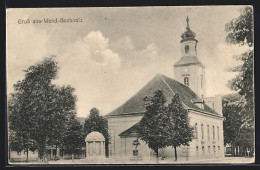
(188, 34)
(187, 20)
(184, 70)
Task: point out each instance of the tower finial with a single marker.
(187, 20)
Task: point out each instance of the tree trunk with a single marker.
(45, 156)
(56, 152)
(72, 155)
(232, 149)
(175, 153)
(27, 156)
(157, 155)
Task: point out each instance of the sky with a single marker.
(115, 51)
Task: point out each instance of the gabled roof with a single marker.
(131, 132)
(135, 105)
(187, 60)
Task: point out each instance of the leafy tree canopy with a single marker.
(180, 132)
(240, 31)
(237, 125)
(73, 138)
(232, 105)
(153, 126)
(38, 109)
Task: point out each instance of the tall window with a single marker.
(196, 131)
(203, 150)
(213, 106)
(202, 131)
(213, 128)
(186, 81)
(208, 131)
(186, 49)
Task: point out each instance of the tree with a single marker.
(245, 141)
(63, 98)
(20, 137)
(95, 122)
(239, 113)
(240, 31)
(153, 126)
(233, 121)
(14, 143)
(37, 107)
(235, 124)
(179, 131)
(73, 138)
(18, 143)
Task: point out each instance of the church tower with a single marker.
(189, 70)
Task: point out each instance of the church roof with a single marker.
(132, 131)
(135, 105)
(187, 60)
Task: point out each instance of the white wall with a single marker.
(215, 103)
(127, 147)
(117, 125)
(192, 50)
(124, 146)
(218, 142)
(194, 73)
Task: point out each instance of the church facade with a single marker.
(205, 114)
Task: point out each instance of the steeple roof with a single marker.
(188, 35)
(188, 60)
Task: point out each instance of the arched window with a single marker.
(186, 49)
(202, 131)
(196, 131)
(213, 128)
(186, 81)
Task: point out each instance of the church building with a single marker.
(204, 113)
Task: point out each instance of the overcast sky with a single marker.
(114, 52)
